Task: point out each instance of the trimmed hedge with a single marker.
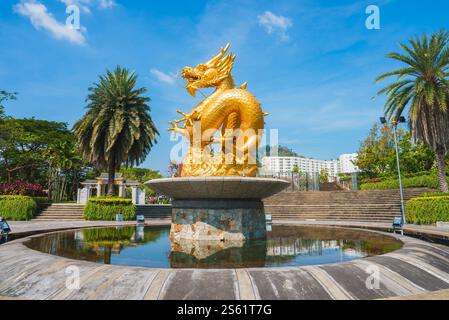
(428, 209)
(427, 181)
(17, 208)
(433, 194)
(106, 209)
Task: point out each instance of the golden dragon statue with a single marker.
(230, 117)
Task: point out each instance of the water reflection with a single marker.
(151, 247)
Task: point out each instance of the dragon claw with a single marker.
(187, 118)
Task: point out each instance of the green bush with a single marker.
(427, 209)
(426, 181)
(17, 208)
(434, 194)
(106, 209)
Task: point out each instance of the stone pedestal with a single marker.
(217, 220)
(217, 208)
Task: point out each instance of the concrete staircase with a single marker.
(62, 212)
(74, 212)
(365, 206)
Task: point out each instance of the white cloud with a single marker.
(275, 24)
(85, 5)
(41, 19)
(107, 4)
(163, 77)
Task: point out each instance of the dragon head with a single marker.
(210, 74)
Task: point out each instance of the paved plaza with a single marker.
(418, 269)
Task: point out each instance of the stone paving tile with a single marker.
(354, 279)
(432, 258)
(124, 284)
(431, 249)
(293, 284)
(45, 281)
(93, 286)
(15, 271)
(200, 285)
(393, 281)
(414, 274)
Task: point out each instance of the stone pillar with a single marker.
(99, 190)
(134, 195)
(141, 196)
(83, 195)
(138, 195)
(122, 190)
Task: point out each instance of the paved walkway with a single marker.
(418, 268)
(428, 232)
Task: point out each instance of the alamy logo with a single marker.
(73, 17)
(373, 280)
(72, 281)
(373, 20)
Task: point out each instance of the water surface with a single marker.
(151, 247)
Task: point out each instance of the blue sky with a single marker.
(312, 64)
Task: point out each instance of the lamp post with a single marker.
(395, 123)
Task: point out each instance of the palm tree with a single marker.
(422, 87)
(117, 127)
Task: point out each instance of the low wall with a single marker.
(154, 211)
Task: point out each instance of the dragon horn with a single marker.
(218, 57)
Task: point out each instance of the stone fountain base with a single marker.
(217, 220)
(218, 208)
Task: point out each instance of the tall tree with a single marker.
(4, 96)
(23, 143)
(117, 127)
(422, 86)
(377, 155)
(64, 168)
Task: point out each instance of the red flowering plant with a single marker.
(22, 188)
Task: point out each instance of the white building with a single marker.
(285, 165)
(346, 163)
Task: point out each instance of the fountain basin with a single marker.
(217, 208)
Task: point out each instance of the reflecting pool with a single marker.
(151, 247)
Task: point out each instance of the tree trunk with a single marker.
(441, 171)
(111, 178)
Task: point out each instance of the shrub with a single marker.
(106, 209)
(426, 181)
(17, 208)
(428, 209)
(22, 188)
(433, 194)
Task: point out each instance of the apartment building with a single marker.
(285, 165)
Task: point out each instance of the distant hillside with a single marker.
(284, 152)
